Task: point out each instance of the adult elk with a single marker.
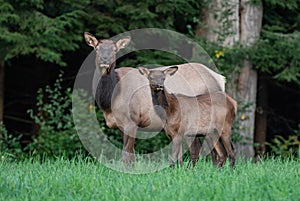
(210, 114)
(124, 95)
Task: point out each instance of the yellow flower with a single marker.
(91, 107)
(219, 54)
(243, 117)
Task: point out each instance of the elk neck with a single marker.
(105, 89)
(165, 100)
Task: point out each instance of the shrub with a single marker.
(10, 145)
(286, 148)
(57, 135)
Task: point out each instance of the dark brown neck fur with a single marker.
(165, 100)
(105, 90)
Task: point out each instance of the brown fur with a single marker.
(210, 114)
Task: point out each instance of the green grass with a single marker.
(80, 179)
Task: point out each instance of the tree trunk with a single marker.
(218, 25)
(1, 90)
(237, 21)
(246, 95)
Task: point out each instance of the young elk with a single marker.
(210, 114)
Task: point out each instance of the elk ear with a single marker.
(90, 39)
(144, 71)
(171, 70)
(122, 43)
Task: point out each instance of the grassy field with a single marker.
(80, 179)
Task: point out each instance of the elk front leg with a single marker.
(128, 146)
(176, 150)
(194, 147)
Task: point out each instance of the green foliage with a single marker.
(57, 135)
(289, 4)
(278, 55)
(277, 51)
(10, 146)
(286, 148)
(281, 16)
(48, 28)
(114, 17)
(44, 29)
(152, 58)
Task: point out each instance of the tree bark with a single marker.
(214, 22)
(237, 21)
(1, 90)
(246, 94)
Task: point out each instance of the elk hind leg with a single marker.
(215, 158)
(218, 153)
(226, 138)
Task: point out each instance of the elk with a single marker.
(211, 115)
(125, 98)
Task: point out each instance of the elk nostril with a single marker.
(158, 88)
(104, 60)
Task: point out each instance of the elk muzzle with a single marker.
(104, 69)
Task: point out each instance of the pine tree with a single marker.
(43, 29)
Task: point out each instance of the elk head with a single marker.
(157, 77)
(106, 51)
